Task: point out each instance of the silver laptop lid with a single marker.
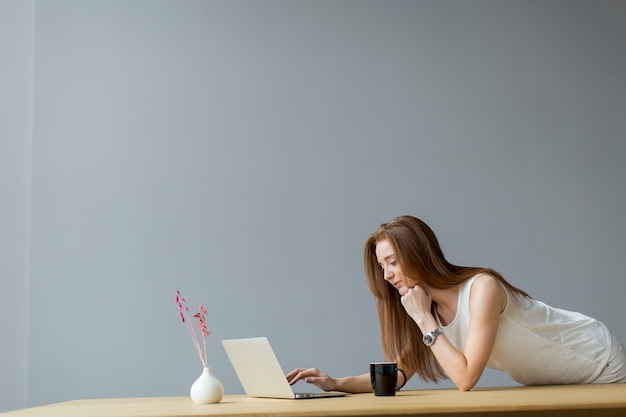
(257, 368)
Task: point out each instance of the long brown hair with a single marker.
(419, 256)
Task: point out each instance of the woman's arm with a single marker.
(351, 384)
(487, 299)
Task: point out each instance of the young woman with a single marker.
(441, 320)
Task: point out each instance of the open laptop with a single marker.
(260, 373)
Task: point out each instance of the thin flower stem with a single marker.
(184, 315)
(194, 338)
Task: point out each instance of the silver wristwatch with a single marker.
(429, 338)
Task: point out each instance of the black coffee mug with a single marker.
(384, 376)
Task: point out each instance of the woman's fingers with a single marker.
(302, 373)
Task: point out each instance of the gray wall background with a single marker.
(16, 124)
(242, 151)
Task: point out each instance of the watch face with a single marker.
(428, 339)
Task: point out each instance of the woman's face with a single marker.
(392, 273)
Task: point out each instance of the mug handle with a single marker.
(404, 382)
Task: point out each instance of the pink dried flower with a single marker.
(201, 321)
(183, 311)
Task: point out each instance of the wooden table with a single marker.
(572, 400)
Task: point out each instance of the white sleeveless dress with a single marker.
(537, 344)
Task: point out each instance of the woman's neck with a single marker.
(446, 303)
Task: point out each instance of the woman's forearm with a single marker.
(354, 384)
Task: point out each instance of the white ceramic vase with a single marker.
(207, 389)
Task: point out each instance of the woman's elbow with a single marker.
(466, 385)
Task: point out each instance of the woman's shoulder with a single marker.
(485, 286)
(483, 280)
(479, 285)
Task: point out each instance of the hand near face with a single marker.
(416, 302)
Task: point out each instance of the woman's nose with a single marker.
(386, 274)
